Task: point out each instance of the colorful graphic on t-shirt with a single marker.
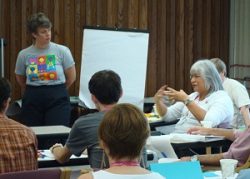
(42, 68)
(42, 64)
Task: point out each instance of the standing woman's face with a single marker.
(42, 36)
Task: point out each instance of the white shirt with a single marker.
(239, 95)
(107, 175)
(218, 107)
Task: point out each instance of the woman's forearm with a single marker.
(161, 108)
(196, 110)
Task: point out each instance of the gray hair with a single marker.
(206, 69)
(220, 65)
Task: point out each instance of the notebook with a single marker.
(178, 170)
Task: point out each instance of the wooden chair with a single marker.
(56, 173)
(245, 166)
(65, 173)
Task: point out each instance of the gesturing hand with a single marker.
(159, 94)
(176, 95)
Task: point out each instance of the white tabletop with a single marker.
(44, 130)
(217, 175)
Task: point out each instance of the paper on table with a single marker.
(216, 175)
(47, 155)
(180, 138)
(183, 138)
(163, 145)
(168, 160)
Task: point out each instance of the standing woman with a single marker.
(44, 71)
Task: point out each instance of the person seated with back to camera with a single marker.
(122, 134)
(18, 143)
(105, 88)
(209, 102)
(239, 149)
(238, 93)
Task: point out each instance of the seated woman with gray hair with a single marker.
(208, 102)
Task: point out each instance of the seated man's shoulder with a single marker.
(90, 118)
(232, 82)
(10, 123)
(16, 129)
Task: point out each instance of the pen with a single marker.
(193, 151)
(42, 156)
(164, 155)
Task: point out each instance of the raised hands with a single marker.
(159, 94)
(175, 95)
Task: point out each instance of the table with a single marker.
(161, 125)
(156, 121)
(54, 163)
(49, 135)
(46, 159)
(51, 130)
(211, 145)
(165, 129)
(216, 175)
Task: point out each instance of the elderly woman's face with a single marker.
(198, 83)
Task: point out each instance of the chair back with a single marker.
(55, 173)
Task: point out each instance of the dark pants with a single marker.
(45, 105)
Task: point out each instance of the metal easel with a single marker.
(2, 44)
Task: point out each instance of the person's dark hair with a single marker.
(38, 20)
(124, 130)
(106, 86)
(5, 91)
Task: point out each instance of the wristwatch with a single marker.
(194, 158)
(188, 101)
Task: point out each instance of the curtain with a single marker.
(240, 40)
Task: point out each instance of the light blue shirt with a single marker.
(44, 66)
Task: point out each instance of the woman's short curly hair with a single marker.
(38, 20)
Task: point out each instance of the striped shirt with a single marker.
(18, 147)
